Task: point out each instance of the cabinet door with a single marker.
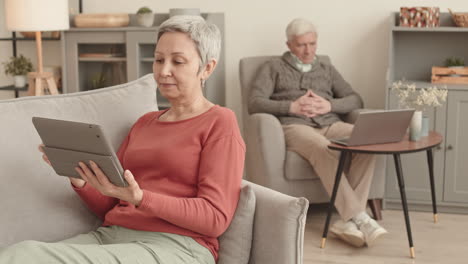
(456, 163)
(414, 165)
(93, 60)
(140, 51)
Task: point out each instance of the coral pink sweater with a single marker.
(190, 172)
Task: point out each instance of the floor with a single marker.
(444, 242)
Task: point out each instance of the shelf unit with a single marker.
(133, 49)
(13, 40)
(412, 53)
(16, 90)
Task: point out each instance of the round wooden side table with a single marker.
(405, 146)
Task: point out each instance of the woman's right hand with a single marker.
(79, 183)
(44, 156)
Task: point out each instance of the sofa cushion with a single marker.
(35, 202)
(279, 224)
(235, 243)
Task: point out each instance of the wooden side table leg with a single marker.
(38, 88)
(51, 85)
(430, 163)
(376, 208)
(401, 184)
(339, 172)
(31, 88)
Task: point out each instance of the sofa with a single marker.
(270, 164)
(37, 204)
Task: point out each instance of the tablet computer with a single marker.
(67, 143)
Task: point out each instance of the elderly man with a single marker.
(307, 94)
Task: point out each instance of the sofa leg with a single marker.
(376, 208)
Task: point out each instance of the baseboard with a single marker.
(442, 207)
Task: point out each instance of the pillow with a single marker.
(35, 202)
(235, 243)
(279, 225)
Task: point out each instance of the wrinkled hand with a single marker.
(320, 105)
(96, 177)
(310, 105)
(76, 182)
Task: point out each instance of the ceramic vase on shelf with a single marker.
(145, 20)
(20, 81)
(415, 126)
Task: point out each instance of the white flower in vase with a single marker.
(409, 96)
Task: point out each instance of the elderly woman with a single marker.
(183, 165)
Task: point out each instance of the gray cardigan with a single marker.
(279, 83)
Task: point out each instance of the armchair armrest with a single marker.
(279, 225)
(266, 151)
(352, 116)
(377, 188)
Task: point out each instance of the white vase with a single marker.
(416, 126)
(145, 20)
(425, 126)
(456, 67)
(20, 81)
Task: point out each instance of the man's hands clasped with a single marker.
(310, 105)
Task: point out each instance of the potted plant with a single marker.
(453, 62)
(18, 67)
(98, 81)
(145, 17)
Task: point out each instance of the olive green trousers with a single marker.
(112, 244)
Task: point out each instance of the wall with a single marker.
(353, 33)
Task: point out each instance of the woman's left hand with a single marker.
(96, 177)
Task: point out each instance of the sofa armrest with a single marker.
(279, 226)
(266, 149)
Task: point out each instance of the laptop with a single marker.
(378, 127)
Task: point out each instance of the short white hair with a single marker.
(299, 26)
(206, 36)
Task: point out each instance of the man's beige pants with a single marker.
(311, 143)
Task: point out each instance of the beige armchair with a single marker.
(269, 164)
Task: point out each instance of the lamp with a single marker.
(35, 15)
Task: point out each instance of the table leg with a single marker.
(339, 172)
(430, 163)
(401, 184)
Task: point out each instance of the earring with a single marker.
(203, 83)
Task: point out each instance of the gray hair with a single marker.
(299, 26)
(205, 35)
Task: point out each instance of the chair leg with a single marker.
(376, 208)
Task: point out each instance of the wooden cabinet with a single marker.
(413, 52)
(100, 57)
(456, 151)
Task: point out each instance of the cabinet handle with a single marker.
(449, 147)
(438, 147)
